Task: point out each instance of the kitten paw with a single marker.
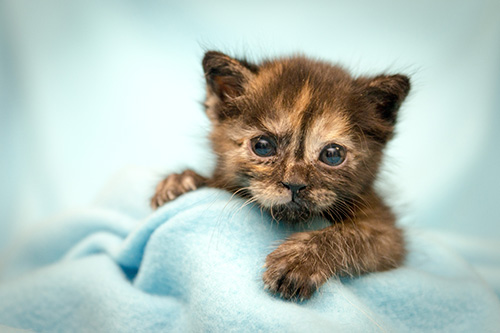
(175, 185)
(294, 269)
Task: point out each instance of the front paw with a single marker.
(296, 269)
(175, 185)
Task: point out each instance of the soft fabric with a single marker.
(196, 265)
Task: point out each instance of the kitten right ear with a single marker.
(226, 78)
(385, 93)
(388, 92)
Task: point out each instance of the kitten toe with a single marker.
(290, 285)
(175, 185)
(160, 196)
(293, 270)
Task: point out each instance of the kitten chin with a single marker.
(291, 212)
(303, 138)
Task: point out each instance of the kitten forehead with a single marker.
(311, 125)
(309, 121)
(331, 127)
(266, 75)
(283, 118)
(302, 99)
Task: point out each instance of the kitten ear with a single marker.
(226, 77)
(387, 92)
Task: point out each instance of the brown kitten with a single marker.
(304, 138)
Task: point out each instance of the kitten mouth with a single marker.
(291, 211)
(293, 205)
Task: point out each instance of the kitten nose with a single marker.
(295, 188)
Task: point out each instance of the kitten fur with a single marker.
(302, 106)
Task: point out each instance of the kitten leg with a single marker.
(306, 260)
(176, 184)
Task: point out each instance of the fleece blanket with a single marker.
(196, 264)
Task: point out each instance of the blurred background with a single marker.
(91, 88)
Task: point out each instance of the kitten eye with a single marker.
(333, 154)
(263, 146)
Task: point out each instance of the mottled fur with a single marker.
(304, 105)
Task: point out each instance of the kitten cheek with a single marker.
(323, 198)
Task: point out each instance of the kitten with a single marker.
(304, 138)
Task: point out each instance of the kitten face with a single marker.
(297, 136)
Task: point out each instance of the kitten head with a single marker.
(300, 137)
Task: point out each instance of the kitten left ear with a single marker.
(226, 77)
(388, 92)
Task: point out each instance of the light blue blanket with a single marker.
(196, 265)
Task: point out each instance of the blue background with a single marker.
(90, 88)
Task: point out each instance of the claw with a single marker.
(170, 195)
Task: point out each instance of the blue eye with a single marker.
(263, 146)
(333, 154)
